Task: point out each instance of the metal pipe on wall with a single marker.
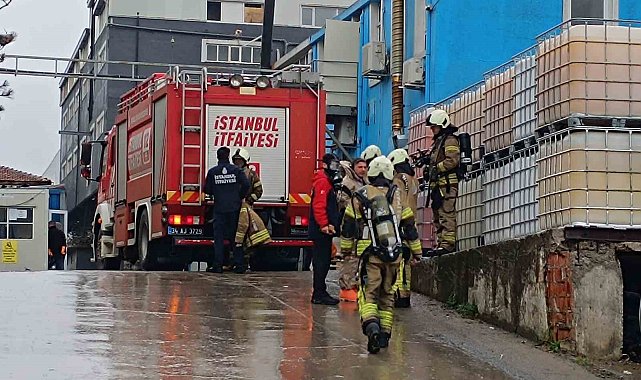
(396, 66)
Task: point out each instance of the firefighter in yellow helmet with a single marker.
(251, 230)
(373, 227)
(445, 157)
(370, 153)
(408, 186)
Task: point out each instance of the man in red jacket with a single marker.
(323, 226)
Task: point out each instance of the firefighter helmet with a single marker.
(241, 153)
(371, 152)
(438, 118)
(398, 156)
(381, 165)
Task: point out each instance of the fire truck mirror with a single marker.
(85, 172)
(85, 154)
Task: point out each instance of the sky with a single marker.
(29, 126)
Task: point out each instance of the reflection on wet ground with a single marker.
(132, 325)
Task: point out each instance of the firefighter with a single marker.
(228, 185)
(445, 158)
(248, 222)
(241, 159)
(323, 225)
(370, 153)
(408, 187)
(355, 177)
(374, 225)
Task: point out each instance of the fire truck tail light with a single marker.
(175, 220)
(184, 220)
(300, 221)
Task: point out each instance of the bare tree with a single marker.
(5, 3)
(5, 39)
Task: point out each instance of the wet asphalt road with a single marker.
(134, 325)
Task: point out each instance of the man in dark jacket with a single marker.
(323, 226)
(228, 185)
(57, 246)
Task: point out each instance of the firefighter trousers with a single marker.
(375, 293)
(445, 218)
(243, 224)
(349, 273)
(402, 284)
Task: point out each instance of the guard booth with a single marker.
(24, 217)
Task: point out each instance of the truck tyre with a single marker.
(145, 256)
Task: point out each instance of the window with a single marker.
(214, 11)
(254, 13)
(376, 15)
(85, 88)
(16, 223)
(419, 28)
(316, 16)
(602, 9)
(221, 51)
(102, 56)
(100, 126)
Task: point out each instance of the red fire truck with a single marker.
(151, 205)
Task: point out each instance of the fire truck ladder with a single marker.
(193, 108)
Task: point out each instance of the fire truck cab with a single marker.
(151, 206)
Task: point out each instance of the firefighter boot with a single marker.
(402, 302)
(348, 295)
(373, 332)
(239, 260)
(383, 340)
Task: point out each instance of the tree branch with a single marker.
(4, 3)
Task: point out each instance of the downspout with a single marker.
(396, 67)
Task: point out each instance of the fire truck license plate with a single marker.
(184, 231)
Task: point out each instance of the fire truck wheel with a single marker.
(145, 256)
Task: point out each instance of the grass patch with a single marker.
(554, 346)
(467, 310)
(583, 361)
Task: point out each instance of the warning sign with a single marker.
(10, 252)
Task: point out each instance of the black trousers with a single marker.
(321, 260)
(225, 224)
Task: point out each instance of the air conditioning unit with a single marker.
(414, 72)
(374, 59)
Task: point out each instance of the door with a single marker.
(61, 218)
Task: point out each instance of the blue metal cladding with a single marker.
(464, 39)
(629, 9)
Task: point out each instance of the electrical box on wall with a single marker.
(374, 59)
(414, 72)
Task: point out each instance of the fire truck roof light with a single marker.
(236, 80)
(263, 82)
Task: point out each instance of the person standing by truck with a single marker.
(355, 178)
(323, 226)
(408, 186)
(228, 185)
(57, 246)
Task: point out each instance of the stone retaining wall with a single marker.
(541, 287)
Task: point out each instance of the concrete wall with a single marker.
(232, 11)
(31, 253)
(541, 287)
